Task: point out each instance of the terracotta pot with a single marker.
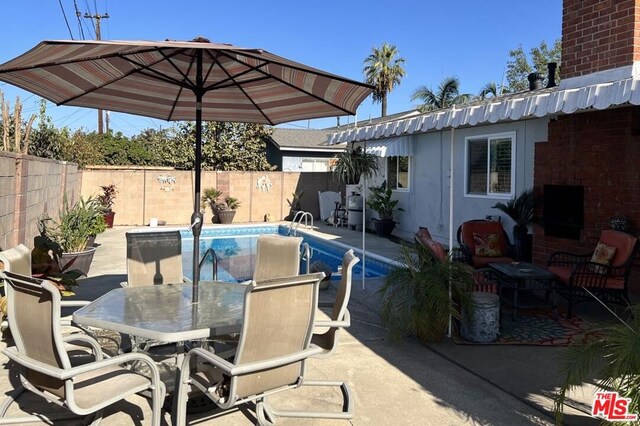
(108, 218)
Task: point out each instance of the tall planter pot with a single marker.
(523, 242)
(384, 228)
(108, 218)
(82, 260)
(226, 216)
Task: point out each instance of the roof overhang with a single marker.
(521, 106)
(394, 147)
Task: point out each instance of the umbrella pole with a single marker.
(196, 217)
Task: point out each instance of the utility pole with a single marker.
(98, 18)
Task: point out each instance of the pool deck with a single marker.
(393, 383)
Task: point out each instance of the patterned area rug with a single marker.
(538, 328)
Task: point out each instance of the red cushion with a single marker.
(563, 273)
(615, 283)
(623, 242)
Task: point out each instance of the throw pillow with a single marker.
(487, 245)
(603, 254)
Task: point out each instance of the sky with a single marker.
(466, 39)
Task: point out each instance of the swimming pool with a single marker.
(235, 247)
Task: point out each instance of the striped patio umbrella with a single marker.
(171, 80)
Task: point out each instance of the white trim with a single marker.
(489, 137)
(329, 150)
(606, 76)
(520, 106)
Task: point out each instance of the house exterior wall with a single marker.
(427, 202)
(599, 35)
(601, 152)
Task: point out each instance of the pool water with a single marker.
(236, 250)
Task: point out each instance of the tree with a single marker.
(383, 71)
(447, 95)
(488, 89)
(46, 139)
(225, 146)
(520, 66)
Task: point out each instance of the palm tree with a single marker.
(446, 95)
(383, 71)
(488, 89)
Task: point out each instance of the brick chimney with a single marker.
(599, 36)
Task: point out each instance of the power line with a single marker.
(78, 16)
(65, 18)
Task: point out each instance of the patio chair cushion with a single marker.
(487, 245)
(623, 242)
(603, 254)
(563, 273)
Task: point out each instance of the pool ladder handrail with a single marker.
(214, 265)
(306, 255)
(297, 220)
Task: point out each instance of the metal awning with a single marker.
(401, 147)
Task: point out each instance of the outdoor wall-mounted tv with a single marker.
(563, 211)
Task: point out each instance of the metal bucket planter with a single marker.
(226, 216)
(82, 260)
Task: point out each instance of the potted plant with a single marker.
(420, 296)
(73, 230)
(222, 212)
(227, 210)
(380, 201)
(106, 200)
(520, 210)
(351, 164)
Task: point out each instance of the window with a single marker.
(398, 173)
(490, 164)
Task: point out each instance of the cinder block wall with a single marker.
(30, 188)
(601, 152)
(143, 195)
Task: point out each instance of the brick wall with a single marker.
(598, 35)
(141, 196)
(600, 151)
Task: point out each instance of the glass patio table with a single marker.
(165, 312)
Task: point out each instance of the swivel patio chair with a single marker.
(325, 336)
(484, 242)
(277, 256)
(274, 345)
(46, 368)
(603, 272)
(154, 258)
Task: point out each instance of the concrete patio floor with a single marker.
(393, 382)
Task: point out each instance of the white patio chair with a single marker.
(273, 348)
(46, 368)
